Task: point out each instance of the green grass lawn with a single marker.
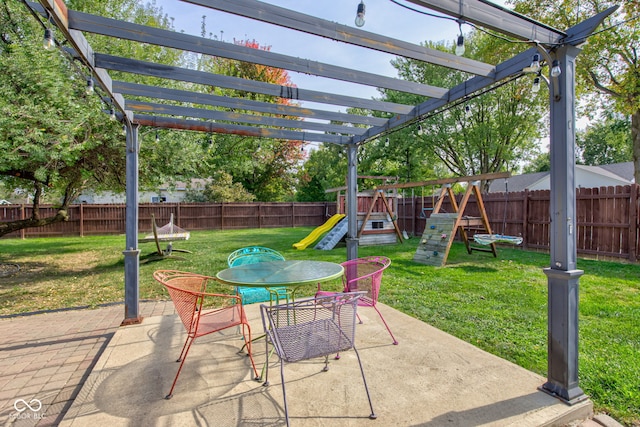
(497, 304)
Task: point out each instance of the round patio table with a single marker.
(280, 273)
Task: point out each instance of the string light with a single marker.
(48, 42)
(360, 14)
(157, 137)
(420, 130)
(555, 68)
(112, 114)
(535, 87)
(460, 43)
(89, 89)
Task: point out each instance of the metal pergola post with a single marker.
(562, 275)
(131, 252)
(352, 201)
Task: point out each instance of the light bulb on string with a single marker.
(420, 130)
(555, 68)
(535, 87)
(460, 42)
(112, 115)
(360, 14)
(89, 89)
(48, 42)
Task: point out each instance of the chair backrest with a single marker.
(185, 290)
(365, 274)
(253, 255)
(313, 327)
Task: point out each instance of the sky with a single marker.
(382, 17)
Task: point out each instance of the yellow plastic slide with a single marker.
(318, 231)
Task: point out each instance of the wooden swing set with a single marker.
(441, 228)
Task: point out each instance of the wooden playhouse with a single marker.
(377, 214)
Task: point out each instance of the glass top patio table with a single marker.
(280, 273)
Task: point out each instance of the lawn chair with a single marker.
(364, 274)
(188, 293)
(311, 328)
(253, 255)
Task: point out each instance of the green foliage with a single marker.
(540, 163)
(489, 133)
(609, 65)
(223, 189)
(325, 168)
(54, 137)
(264, 167)
(606, 142)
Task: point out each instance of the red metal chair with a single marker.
(188, 293)
(364, 274)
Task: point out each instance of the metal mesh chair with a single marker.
(312, 328)
(188, 293)
(253, 255)
(364, 274)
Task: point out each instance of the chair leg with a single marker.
(265, 368)
(246, 333)
(395, 341)
(183, 357)
(373, 415)
(284, 392)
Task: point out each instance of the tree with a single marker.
(56, 140)
(609, 64)
(264, 167)
(605, 142)
(488, 133)
(223, 189)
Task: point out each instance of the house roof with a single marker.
(617, 171)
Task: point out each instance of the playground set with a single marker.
(442, 227)
(377, 220)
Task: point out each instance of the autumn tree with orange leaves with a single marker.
(265, 167)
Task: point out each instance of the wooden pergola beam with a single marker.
(495, 18)
(178, 95)
(343, 33)
(157, 36)
(163, 71)
(443, 181)
(233, 129)
(262, 120)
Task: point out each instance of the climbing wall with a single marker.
(436, 240)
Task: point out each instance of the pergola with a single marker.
(555, 47)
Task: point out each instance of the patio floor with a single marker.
(429, 379)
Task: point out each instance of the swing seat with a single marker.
(487, 239)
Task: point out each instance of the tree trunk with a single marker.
(10, 227)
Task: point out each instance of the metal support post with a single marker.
(131, 252)
(352, 202)
(562, 276)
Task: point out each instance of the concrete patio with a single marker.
(429, 379)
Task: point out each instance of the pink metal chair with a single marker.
(188, 293)
(364, 274)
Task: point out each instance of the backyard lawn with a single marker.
(497, 304)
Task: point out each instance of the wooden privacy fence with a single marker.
(606, 218)
(90, 219)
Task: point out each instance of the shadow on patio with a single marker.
(429, 379)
